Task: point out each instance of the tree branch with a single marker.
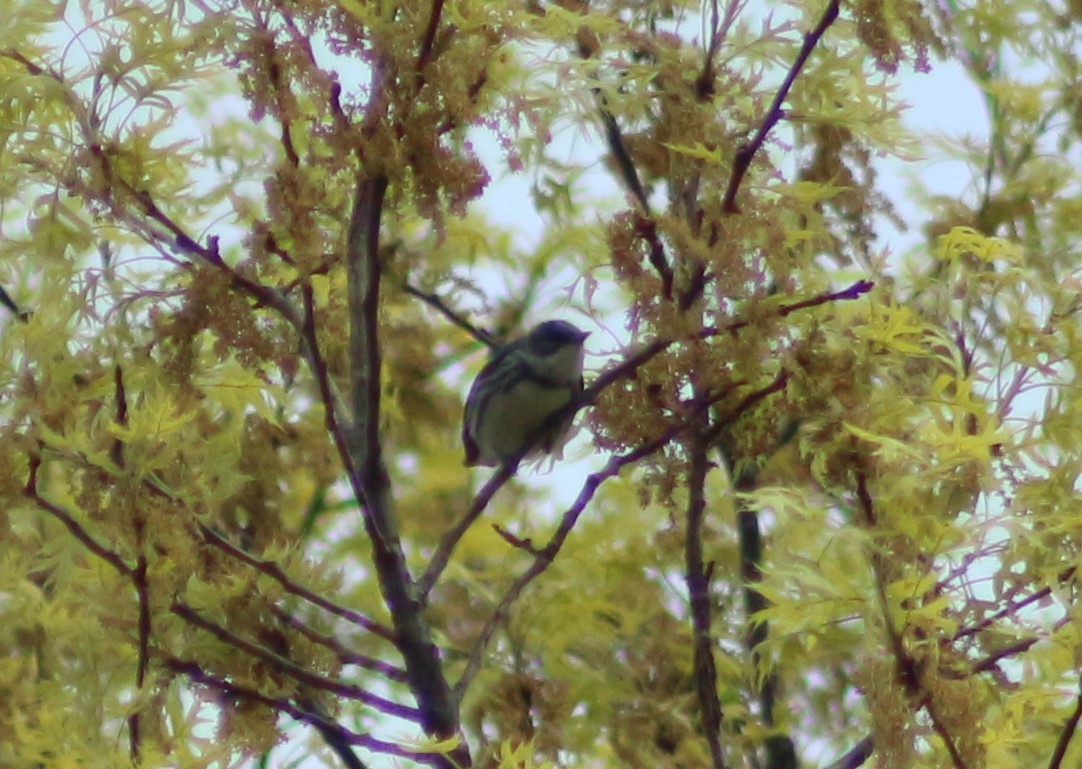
(82, 535)
(274, 571)
(9, 303)
(434, 301)
(288, 667)
(907, 667)
(544, 557)
(370, 480)
(318, 720)
(856, 756)
(450, 539)
(744, 156)
(698, 581)
(429, 39)
(345, 656)
(1067, 733)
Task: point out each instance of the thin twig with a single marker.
(1067, 733)
(994, 658)
(288, 667)
(856, 755)
(345, 656)
(646, 226)
(544, 557)
(1065, 576)
(274, 571)
(197, 674)
(81, 534)
(436, 302)
(450, 539)
(746, 154)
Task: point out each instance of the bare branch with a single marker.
(316, 719)
(274, 571)
(1012, 609)
(1067, 733)
(344, 655)
(365, 271)
(989, 662)
(290, 668)
(81, 534)
(371, 482)
(742, 161)
(698, 581)
(856, 756)
(434, 301)
(451, 537)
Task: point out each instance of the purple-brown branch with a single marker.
(344, 655)
(194, 672)
(83, 536)
(450, 539)
(429, 40)
(744, 156)
(856, 755)
(544, 557)
(436, 302)
(274, 571)
(1067, 733)
(907, 668)
(369, 477)
(291, 669)
(1008, 611)
(698, 582)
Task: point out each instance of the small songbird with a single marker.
(523, 384)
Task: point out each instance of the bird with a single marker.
(512, 403)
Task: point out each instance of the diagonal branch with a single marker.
(430, 36)
(344, 655)
(76, 529)
(856, 755)
(747, 153)
(451, 537)
(544, 557)
(10, 304)
(318, 720)
(288, 667)
(1067, 733)
(437, 303)
(274, 571)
